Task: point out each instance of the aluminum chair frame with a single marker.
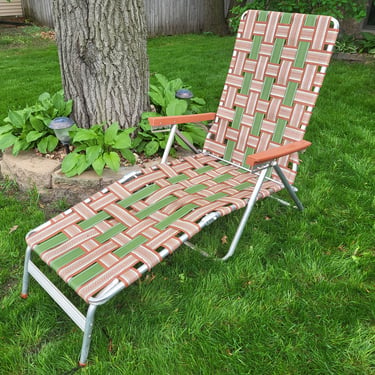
(263, 163)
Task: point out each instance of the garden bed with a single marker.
(354, 57)
(31, 171)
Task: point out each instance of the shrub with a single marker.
(163, 97)
(339, 9)
(97, 148)
(27, 128)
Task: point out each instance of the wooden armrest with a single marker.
(276, 152)
(183, 119)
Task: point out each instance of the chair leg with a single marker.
(169, 144)
(246, 214)
(288, 187)
(26, 275)
(87, 334)
(89, 321)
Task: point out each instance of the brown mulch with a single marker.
(60, 153)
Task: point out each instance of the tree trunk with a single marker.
(103, 58)
(215, 19)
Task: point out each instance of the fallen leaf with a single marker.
(224, 240)
(110, 346)
(15, 227)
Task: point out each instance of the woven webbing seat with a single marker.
(105, 243)
(112, 234)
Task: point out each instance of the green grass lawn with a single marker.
(298, 297)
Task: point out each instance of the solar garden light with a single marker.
(61, 126)
(184, 94)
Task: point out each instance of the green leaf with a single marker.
(37, 123)
(156, 89)
(141, 146)
(45, 100)
(92, 153)
(128, 155)
(157, 98)
(162, 80)
(161, 136)
(52, 143)
(198, 101)
(151, 148)
(69, 162)
(7, 140)
(43, 145)
(182, 143)
(146, 115)
(6, 129)
(82, 164)
(34, 135)
(194, 108)
(176, 107)
(80, 148)
(19, 145)
(98, 166)
(135, 142)
(170, 96)
(59, 102)
(110, 134)
(112, 160)
(84, 135)
(17, 118)
(122, 141)
(198, 133)
(163, 144)
(68, 108)
(145, 125)
(128, 130)
(48, 144)
(74, 164)
(44, 97)
(175, 84)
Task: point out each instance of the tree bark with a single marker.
(215, 19)
(102, 48)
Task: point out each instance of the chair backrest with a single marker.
(277, 68)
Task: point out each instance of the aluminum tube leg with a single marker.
(288, 186)
(87, 335)
(169, 144)
(26, 275)
(186, 141)
(246, 214)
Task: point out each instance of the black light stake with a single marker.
(61, 126)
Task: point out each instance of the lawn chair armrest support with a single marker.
(277, 152)
(162, 121)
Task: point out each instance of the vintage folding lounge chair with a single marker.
(105, 243)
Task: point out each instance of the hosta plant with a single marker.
(163, 97)
(27, 128)
(97, 148)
